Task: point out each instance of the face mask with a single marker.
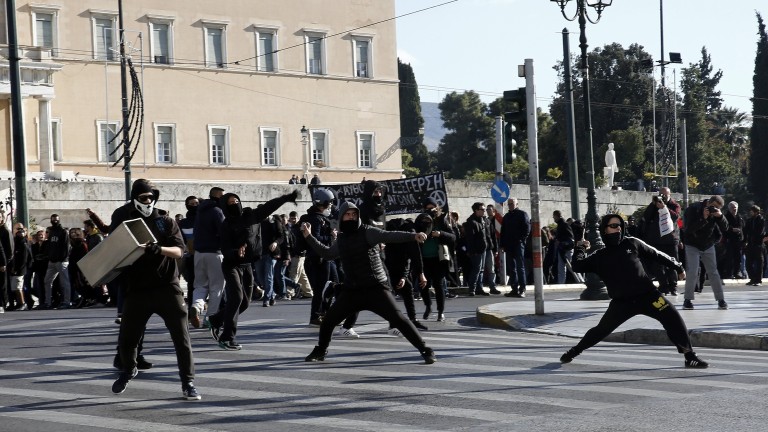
(56, 224)
(327, 212)
(233, 210)
(423, 227)
(144, 209)
(612, 239)
(377, 199)
(349, 226)
(192, 209)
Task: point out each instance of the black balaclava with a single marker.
(232, 211)
(190, 208)
(615, 238)
(348, 227)
(423, 224)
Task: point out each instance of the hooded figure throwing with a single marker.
(366, 285)
(241, 245)
(620, 265)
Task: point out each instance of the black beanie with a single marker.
(432, 201)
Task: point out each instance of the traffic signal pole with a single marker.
(500, 176)
(533, 170)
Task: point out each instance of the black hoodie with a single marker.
(242, 226)
(621, 266)
(372, 209)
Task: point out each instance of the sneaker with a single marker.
(194, 317)
(688, 305)
(215, 332)
(693, 361)
(2, 309)
(673, 292)
(122, 381)
(482, 293)
(394, 332)
(272, 301)
(348, 333)
(22, 307)
(427, 311)
(118, 320)
(315, 322)
(521, 293)
(428, 355)
(512, 293)
(568, 356)
(317, 354)
(419, 325)
(471, 294)
(190, 392)
(206, 323)
(495, 291)
(142, 363)
(722, 305)
(230, 345)
(440, 317)
(450, 295)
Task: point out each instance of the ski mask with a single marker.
(348, 226)
(612, 239)
(232, 211)
(140, 187)
(192, 209)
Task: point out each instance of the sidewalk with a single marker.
(743, 326)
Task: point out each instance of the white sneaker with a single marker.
(349, 333)
(394, 332)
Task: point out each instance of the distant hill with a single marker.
(433, 126)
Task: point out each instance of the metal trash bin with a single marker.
(118, 250)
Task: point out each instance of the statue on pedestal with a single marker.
(611, 168)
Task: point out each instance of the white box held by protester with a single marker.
(118, 250)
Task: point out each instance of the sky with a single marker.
(477, 44)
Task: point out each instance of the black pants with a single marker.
(731, 266)
(435, 274)
(318, 272)
(168, 303)
(755, 263)
(652, 305)
(406, 293)
(238, 289)
(378, 300)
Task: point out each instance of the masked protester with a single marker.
(152, 286)
(620, 265)
(366, 285)
(241, 246)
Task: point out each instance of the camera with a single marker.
(712, 209)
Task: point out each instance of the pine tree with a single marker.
(411, 120)
(758, 137)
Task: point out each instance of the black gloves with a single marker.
(152, 249)
(293, 195)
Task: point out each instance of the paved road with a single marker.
(56, 376)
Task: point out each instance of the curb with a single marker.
(699, 338)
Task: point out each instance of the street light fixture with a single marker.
(305, 145)
(595, 287)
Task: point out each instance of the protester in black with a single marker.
(152, 287)
(366, 285)
(241, 245)
(403, 261)
(620, 265)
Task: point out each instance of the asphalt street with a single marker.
(56, 375)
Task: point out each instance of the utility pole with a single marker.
(124, 89)
(570, 128)
(19, 154)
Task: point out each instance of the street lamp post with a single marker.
(305, 145)
(595, 287)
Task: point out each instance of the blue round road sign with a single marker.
(500, 191)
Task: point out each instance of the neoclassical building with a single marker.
(228, 87)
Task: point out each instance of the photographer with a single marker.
(654, 218)
(704, 226)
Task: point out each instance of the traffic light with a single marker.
(509, 140)
(517, 116)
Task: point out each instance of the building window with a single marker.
(315, 43)
(165, 139)
(266, 47)
(45, 27)
(269, 146)
(218, 137)
(56, 140)
(319, 141)
(108, 141)
(365, 149)
(161, 33)
(104, 38)
(215, 47)
(362, 57)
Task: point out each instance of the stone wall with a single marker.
(69, 199)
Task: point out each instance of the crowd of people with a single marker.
(354, 258)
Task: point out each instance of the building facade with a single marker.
(227, 88)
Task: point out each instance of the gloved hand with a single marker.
(293, 195)
(152, 249)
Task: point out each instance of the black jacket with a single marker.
(735, 231)
(320, 229)
(754, 231)
(22, 257)
(515, 228)
(649, 224)
(372, 212)
(272, 231)
(403, 259)
(207, 226)
(476, 234)
(621, 267)
(699, 232)
(245, 229)
(58, 244)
